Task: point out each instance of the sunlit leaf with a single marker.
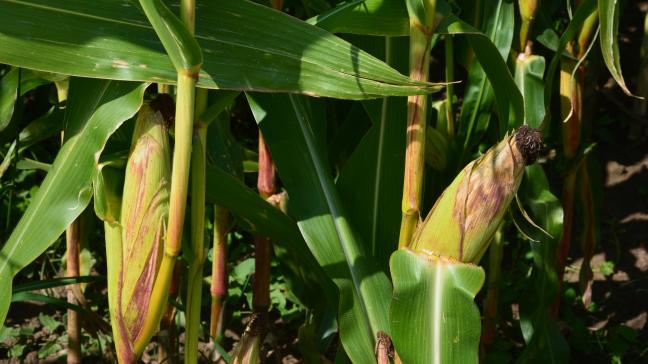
(113, 39)
(433, 316)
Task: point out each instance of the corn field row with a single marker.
(370, 181)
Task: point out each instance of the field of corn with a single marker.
(324, 181)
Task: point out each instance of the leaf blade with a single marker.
(364, 289)
(112, 39)
(433, 315)
(609, 19)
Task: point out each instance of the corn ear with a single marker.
(467, 214)
(144, 211)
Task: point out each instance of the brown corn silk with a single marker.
(144, 212)
(465, 217)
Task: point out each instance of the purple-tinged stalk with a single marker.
(167, 351)
(263, 247)
(464, 219)
(422, 22)
(218, 287)
(73, 246)
(73, 243)
(249, 348)
(492, 294)
(250, 345)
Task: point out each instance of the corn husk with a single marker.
(142, 220)
(467, 214)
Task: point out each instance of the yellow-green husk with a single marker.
(142, 226)
(467, 214)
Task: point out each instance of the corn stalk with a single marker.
(73, 243)
(167, 350)
(422, 23)
(449, 75)
(186, 57)
(572, 84)
(263, 246)
(72, 240)
(197, 256)
(527, 14)
(218, 287)
(492, 289)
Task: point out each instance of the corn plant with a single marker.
(409, 139)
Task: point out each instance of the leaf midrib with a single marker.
(328, 197)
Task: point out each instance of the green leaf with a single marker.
(48, 322)
(48, 349)
(222, 149)
(528, 76)
(489, 79)
(371, 17)
(180, 45)
(243, 270)
(107, 186)
(285, 121)
(27, 164)
(8, 96)
(42, 128)
(19, 81)
(96, 108)
(55, 282)
(111, 39)
(491, 49)
(609, 20)
(433, 315)
(7, 333)
(17, 350)
(37, 297)
(585, 9)
(545, 342)
(550, 39)
(377, 164)
(219, 101)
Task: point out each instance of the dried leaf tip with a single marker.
(528, 140)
